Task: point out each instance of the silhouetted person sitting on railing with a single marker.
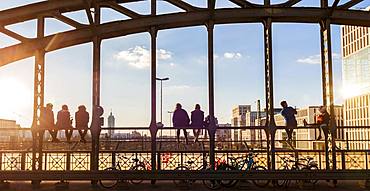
(197, 121)
(64, 122)
(180, 121)
(322, 122)
(47, 121)
(290, 121)
(82, 121)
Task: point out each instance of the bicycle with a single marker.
(136, 165)
(211, 184)
(308, 164)
(239, 163)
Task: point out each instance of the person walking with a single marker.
(197, 121)
(290, 121)
(82, 121)
(180, 121)
(64, 122)
(47, 121)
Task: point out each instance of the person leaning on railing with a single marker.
(47, 121)
(322, 122)
(64, 122)
(180, 121)
(82, 121)
(197, 121)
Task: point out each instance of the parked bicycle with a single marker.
(136, 165)
(306, 163)
(239, 163)
(190, 165)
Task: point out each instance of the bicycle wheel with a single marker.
(260, 183)
(181, 182)
(108, 183)
(311, 168)
(227, 183)
(212, 184)
(139, 167)
(281, 183)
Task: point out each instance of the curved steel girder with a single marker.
(177, 20)
(245, 3)
(45, 8)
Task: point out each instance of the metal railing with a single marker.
(16, 154)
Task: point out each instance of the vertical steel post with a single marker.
(270, 120)
(96, 125)
(327, 84)
(153, 123)
(212, 127)
(38, 101)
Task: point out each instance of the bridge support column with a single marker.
(328, 95)
(153, 123)
(97, 110)
(38, 103)
(270, 120)
(211, 97)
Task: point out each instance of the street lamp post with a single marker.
(161, 80)
(170, 112)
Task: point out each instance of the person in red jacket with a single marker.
(82, 122)
(322, 122)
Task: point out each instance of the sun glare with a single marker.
(14, 96)
(351, 91)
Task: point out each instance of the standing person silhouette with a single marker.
(197, 121)
(82, 121)
(290, 121)
(64, 122)
(180, 121)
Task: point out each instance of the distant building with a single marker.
(357, 113)
(223, 134)
(239, 120)
(10, 135)
(238, 115)
(111, 124)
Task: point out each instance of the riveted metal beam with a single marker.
(176, 20)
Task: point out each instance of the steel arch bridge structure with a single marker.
(244, 11)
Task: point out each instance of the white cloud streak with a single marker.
(139, 57)
(316, 59)
(232, 55)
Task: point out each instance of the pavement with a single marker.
(170, 186)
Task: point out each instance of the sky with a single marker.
(182, 56)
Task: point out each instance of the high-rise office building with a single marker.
(357, 113)
(355, 59)
(356, 82)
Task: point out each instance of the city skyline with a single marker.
(239, 70)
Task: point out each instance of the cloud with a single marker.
(181, 89)
(316, 59)
(232, 55)
(139, 57)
